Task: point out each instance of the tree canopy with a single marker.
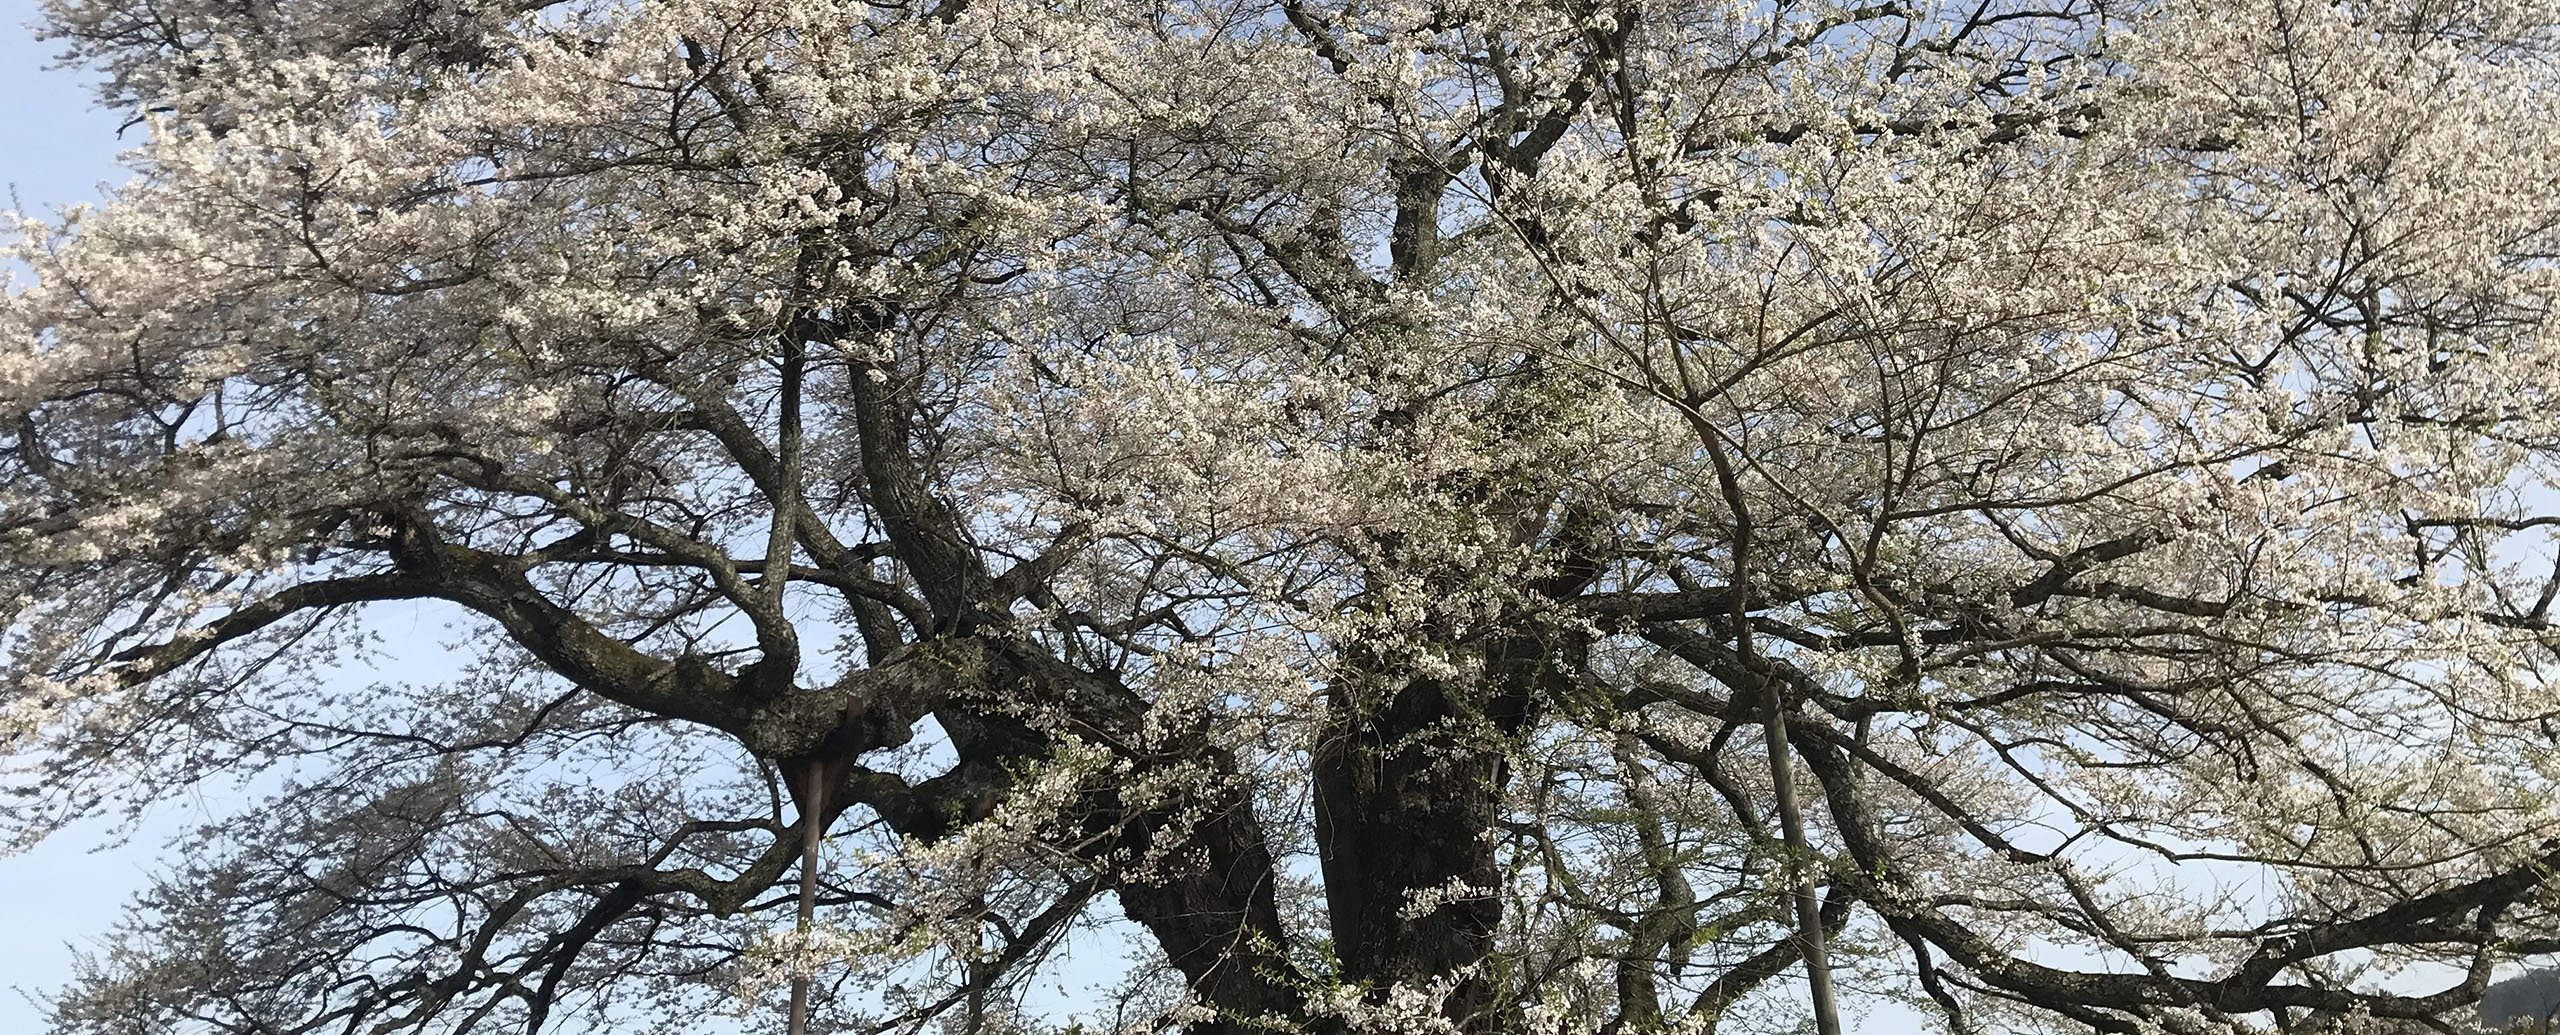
(1435, 517)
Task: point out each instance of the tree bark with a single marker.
(1402, 802)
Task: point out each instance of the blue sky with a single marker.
(56, 148)
(55, 145)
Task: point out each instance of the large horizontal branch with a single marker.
(143, 664)
(2460, 914)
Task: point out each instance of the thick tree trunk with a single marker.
(1403, 799)
(1218, 918)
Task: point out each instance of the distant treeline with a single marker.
(2524, 1002)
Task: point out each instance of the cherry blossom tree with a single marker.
(1457, 517)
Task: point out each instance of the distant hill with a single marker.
(2528, 998)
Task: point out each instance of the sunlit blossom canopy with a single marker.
(1307, 509)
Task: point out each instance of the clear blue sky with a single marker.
(55, 145)
(55, 148)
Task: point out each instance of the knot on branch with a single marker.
(816, 737)
(866, 710)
